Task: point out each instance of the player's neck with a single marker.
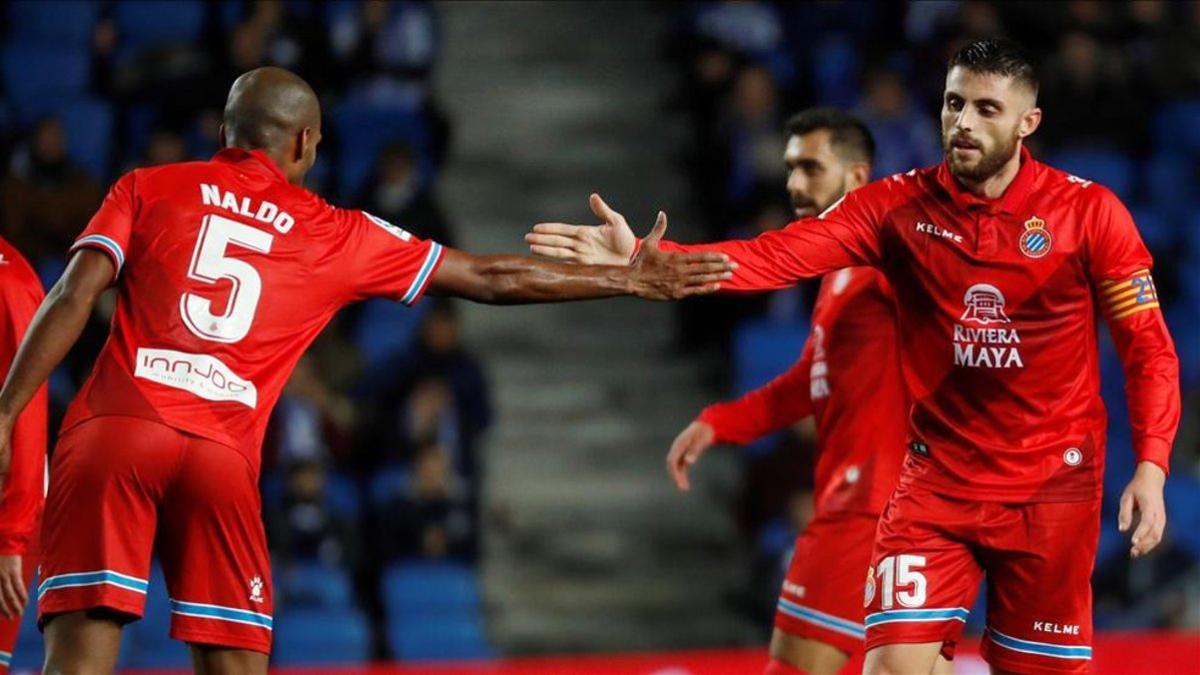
(994, 185)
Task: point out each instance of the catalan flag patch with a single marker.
(1123, 297)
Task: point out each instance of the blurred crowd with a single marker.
(371, 456)
(1121, 99)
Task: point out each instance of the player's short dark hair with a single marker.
(998, 56)
(849, 136)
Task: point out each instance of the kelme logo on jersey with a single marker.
(205, 376)
(988, 343)
(1035, 241)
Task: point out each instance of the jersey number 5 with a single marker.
(211, 264)
(901, 571)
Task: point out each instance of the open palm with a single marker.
(610, 243)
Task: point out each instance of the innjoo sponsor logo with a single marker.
(203, 375)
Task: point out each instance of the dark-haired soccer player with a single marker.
(1001, 266)
(226, 270)
(24, 476)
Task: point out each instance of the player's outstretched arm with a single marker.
(654, 274)
(846, 235)
(52, 333)
(779, 403)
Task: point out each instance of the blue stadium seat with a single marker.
(447, 638)
(388, 483)
(763, 349)
(342, 496)
(313, 585)
(146, 23)
(1175, 127)
(427, 589)
(89, 127)
(1156, 230)
(1108, 167)
(385, 328)
(836, 71)
(1170, 178)
(64, 22)
(148, 641)
(37, 78)
(363, 130)
(310, 637)
(1182, 497)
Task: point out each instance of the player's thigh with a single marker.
(904, 659)
(805, 654)
(106, 479)
(214, 552)
(208, 660)
(822, 595)
(83, 642)
(923, 576)
(1039, 567)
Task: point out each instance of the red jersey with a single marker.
(25, 487)
(848, 378)
(225, 274)
(998, 303)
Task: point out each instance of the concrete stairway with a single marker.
(588, 546)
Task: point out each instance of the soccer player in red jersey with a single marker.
(1001, 266)
(25, 470)
(848, 379)
(226, 270)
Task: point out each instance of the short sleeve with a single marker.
(111, 227)
(1119, 264)
(388, 261)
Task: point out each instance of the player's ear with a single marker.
(1030, 121)
(860, 175)
(221, 135)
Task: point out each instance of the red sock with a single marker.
(777, 667)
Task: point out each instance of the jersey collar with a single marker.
(1009, 202)
(251, 160)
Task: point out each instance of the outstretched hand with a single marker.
(658, 275)
(610, 243)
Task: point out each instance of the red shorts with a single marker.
(11, 628)
(117, 481)
(931, 552)
(822, 595)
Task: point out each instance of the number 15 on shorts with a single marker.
(900, 581)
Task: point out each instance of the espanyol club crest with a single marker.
(1035, 241)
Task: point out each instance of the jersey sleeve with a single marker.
(1119, 266)
(23, 494)
(777, 404)
(387, 261)
(847, 234)
(111, 227)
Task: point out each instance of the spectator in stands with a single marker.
(165, 147)
(905, 137)
(385, 44)
(751, 136)
(46, 199)
(1088, 87)
(433, 518)
(398, 193)
(303, 527)
(312, 423)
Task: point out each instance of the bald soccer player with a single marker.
(226, 270)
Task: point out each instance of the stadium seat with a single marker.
(1175, 127)
(1170, 178)
(312, 637)
(388, 483)
(89, 127)
(385, 328)
(1155, 229)
(65, 22)
(343, 496)
(417, 589)
(1108, 167)
(141, 24)
(429, 639)
(363, 130)
(1182, 497)
(763, 349)
(37, 78)
(313, 585)
(836, 71)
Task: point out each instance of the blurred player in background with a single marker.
(1001, 266)
(25, 469)
(848, 379)
(226, 271)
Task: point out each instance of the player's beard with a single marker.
(800, 204)
(988, 164)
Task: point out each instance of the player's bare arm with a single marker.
(653, 274)
(53, 332)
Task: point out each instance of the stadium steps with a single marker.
(588, 546)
